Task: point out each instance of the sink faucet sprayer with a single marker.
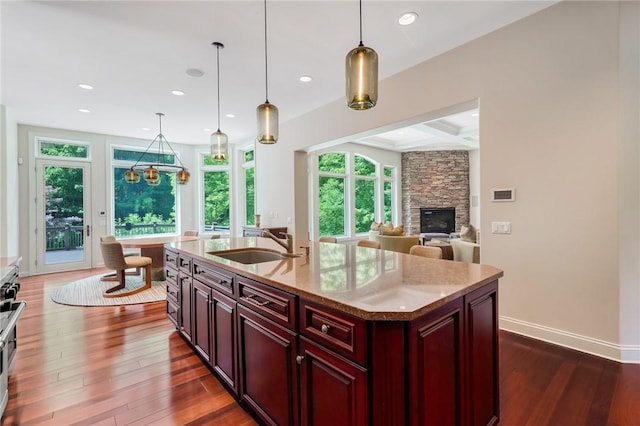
(287, 245)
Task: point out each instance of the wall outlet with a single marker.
(500, 227)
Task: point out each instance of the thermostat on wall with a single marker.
(505, 194)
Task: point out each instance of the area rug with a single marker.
(88, 292)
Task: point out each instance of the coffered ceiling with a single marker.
(135, 53)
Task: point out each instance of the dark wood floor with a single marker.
(127, 366)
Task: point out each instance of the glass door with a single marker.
(63, 210)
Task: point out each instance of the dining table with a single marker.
(153, 247)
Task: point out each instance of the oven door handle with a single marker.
(13, 319)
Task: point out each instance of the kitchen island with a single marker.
(345, 335)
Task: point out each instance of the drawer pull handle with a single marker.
(324, 328)
(200, 271)
(299, 359)
(253, 301)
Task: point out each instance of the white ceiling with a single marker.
(135, 53)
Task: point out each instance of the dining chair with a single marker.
(328, 239)
(426, 251)
(112, 276)
(190, 233)
(115, 259)
(369, 243)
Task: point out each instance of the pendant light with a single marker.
(267, 113)
(219, 141)
(151, 171)
(361, 74)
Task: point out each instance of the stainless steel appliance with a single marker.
(10, 311)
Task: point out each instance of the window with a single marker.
(353, 192)
(216, 199)
(60, 148)
(331, 193)
(139, 208)
(248, 165)
(365, 189)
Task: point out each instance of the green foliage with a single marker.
(64, 189)
(207, 160)
(331, 206)
(249, 156)
(387, 201)
(364, 167)
(216, 198)
(148, 157)
(56, 149)
(388, 172)
(249, 178)
(364, 204)
(333, 162)
(137, 202)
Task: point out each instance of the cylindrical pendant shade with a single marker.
(267, 123)
(219, 145)
(361, 74)
(183, 176)
(151, 175)
(131, 176)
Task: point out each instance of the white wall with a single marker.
(8, 189)
(549, 94)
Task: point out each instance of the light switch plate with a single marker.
(500, 227)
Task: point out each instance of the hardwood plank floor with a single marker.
(127, 365)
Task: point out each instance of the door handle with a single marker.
(88, 230)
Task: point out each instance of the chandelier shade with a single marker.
(267, 113)
(151, 171)
(361, 75)
(219, 140)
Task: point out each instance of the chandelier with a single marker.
(151, 171)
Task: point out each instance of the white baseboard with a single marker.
(620, 353)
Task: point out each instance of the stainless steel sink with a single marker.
(250, 256)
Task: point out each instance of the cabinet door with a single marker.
(201, 327)
(223, 339)
(481, 317)
(268, 370)
(333, 390)
(436, 367)
(185, 305)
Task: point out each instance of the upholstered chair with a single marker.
(190, 233)
(115, 259)
(112, 276)
(369, 243)
(328, 239)
(426, 251)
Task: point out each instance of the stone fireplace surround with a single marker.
(434, 179)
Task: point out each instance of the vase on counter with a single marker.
(257, 219)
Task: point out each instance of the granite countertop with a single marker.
(368, 283)
(7, 264)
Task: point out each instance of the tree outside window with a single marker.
(249, 187)
(216, 199)
(331, 206)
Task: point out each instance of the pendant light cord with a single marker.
(266, 75)
(361, 23)
(218, 68)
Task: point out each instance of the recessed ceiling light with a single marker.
(195, 72)
(229, 115)
(408, 18)
(177, 92)
(86, 111)
(85, 86)
(207, 130)
(306, 78)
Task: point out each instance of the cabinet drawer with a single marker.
(216, 278)
(274, 304)
(173, 312)
(343, 333)
(170, 258)
(184, 263)
(171, 275)
(173, 292)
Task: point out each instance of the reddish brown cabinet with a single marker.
(268, 369)
(333, 390)
(296, 361)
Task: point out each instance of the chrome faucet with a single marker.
(287, 245)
